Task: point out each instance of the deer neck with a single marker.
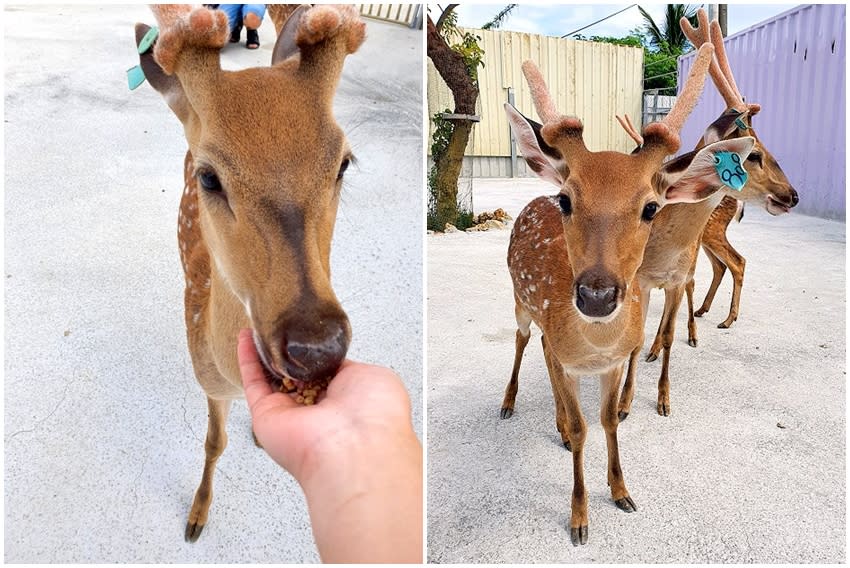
(208, 296)
(675, 232)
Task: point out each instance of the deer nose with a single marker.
(596, 302)
(795, 199)
(315, 354)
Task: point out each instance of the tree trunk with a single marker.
(452, 69)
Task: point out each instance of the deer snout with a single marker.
(314, 351)
(596, 296)
(795, 199)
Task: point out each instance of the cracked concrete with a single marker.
(105, 423)
(717, 481)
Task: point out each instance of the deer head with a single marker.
(269, 159)
(767, 184)
(608, 199)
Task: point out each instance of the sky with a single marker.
(557, 20)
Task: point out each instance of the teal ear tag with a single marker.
(730, 170)
(148, 40)
(135, 77)
(741, 124)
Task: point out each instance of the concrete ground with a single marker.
(717, 481)
(104, 422)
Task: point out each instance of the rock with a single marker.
(451, 228)
(501, 215)
(493, 224)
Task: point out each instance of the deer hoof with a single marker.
(725, 324)
(622, 415)
(568, 446)
(626, 504)
(700, 313)
(507, 413)
(651, 357)
(692, 342)
(193, 531)
(664, 408)
(578, 535)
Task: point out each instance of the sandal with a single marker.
(252, 39)
(235, 33)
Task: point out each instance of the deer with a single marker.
(671, 252)
(257, 214)
(573, 257)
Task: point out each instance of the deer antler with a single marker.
(665, 133)
(555, 125)
(627, 125)
(720, 71)
(323, 35)
(183, 28)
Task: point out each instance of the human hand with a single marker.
(354, 453)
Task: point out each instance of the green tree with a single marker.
(456, 55)
(668, 37)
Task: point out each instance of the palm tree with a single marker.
(668, 37)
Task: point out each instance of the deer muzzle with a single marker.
(310, 347)
(597, 295)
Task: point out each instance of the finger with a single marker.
(253, 376)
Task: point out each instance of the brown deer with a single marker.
(258, 211)
(671, 252)
(573, 258)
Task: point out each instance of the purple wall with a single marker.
(802, 94)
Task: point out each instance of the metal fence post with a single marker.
(513, 140)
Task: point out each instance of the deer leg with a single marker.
(566, 388)
(692, 323)
(655, 349)
(610, 386)
(719, 269)
(736, 264)
(561, 421)
(628, 393)
(672, 300)
(523, 333)
(214, 446)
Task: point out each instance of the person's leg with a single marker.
(234, 18)
(252, 17)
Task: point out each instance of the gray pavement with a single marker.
(104, 421)
(717, 481)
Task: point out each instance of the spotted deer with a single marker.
(573, 257)
(262, 181)
(671, 252)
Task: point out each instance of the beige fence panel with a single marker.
(399, 13)
(593, 81)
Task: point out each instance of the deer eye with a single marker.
(565, 203)
(649, 211)
(343, 167)
(754, 157)
(209, 181)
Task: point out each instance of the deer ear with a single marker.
(725, 125)
(285, 46)
(167, 85)
(547, 162)
(695, 176)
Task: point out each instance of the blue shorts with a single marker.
(237, 12)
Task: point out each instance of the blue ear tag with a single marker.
(148, 40)
(135, 75)
(730, 170)
(741, 124)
